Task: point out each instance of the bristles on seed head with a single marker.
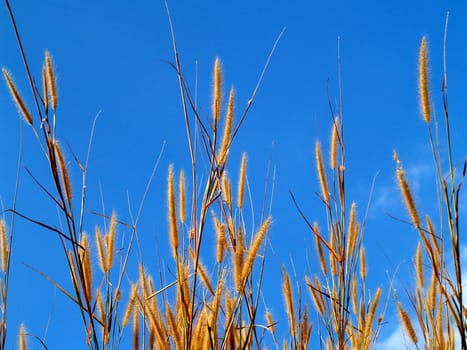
(423, 81)
(22, 337)
(17, 98)
(4, 249)
(334, 142)
(248, 265)
(216, 104)
(100, 251)
(86, 266)
(419, 266)
(321, 174)
(64, 173)
(111, 241)
(241, 182)
(51, 79)
(172, 214)
(226, 138)
(407, 323)
(287, 294)
(408, 199)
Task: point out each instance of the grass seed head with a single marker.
(241, 182)
(17, 98)
(172, 213)
(423, 81)
(51, 79)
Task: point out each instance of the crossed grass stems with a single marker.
(218, 307)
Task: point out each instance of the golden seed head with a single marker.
(111, 241)
(64, 173)
(17, 98)
(45, 90)
(4, 249)
(408, 199)
(51, 79)
(248, 265)
(289, 304)
(216, 104)
(226, 139)
(423, 81)
(407, 323)
(22, 337)
(86, 267)
(321, 174)
(362, 263)
(419, 266)
(172, 213)
(319, 249)
(334, 142)
(270, 322)
(100, 251)
(221, 242)
(241, 182)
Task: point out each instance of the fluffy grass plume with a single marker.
(408, 199)
(216, 103)
(64, 173)
(423, 81)
(111, 241)
(22, 338)
(334, 143)
(321, 173)
(248, 265)
(3, 246)
(407, 323)
(51, 80)
(17, 97)
(172, 213)
(226, 138)
(241, 182)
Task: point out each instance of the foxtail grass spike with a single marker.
(321, 174)
(226, 138)
(241, 182)
(172, 213)
(423, 81)
(216, 104)
(51, 79)
(17, 98)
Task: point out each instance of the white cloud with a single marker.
(396, 341)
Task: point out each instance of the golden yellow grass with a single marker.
(408, 198)
(216, 105)
(241, 181)
(258, 240)
(51, 80)
(224, 150)
(17, 98)
(173, 229)
(407, 323)
(22, 338)
(321, 173)
(64, 173)
(423, 81)
(4, 250)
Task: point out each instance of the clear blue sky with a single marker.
(110, 56)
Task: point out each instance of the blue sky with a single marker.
(111, 57)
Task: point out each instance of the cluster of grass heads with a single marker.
(219, 305)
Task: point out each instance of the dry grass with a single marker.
(217, 305)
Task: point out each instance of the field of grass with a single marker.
(209, 294)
